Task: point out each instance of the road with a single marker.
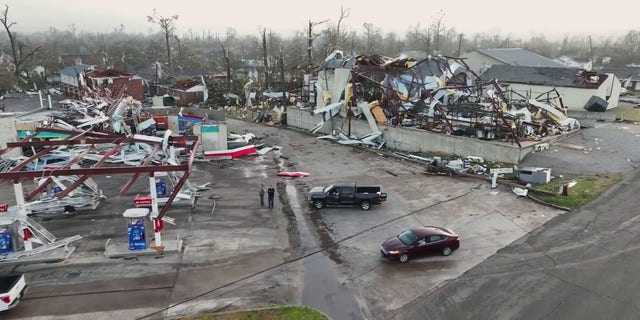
(581, 265)
(235, 251)
(531, 278)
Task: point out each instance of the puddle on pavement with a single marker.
(320, 286)
(321, 290)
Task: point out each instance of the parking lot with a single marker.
(240, 255)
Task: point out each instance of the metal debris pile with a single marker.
(437, 93)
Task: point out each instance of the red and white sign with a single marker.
(142, 200)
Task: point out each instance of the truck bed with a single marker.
(7, 282)
(367, 189)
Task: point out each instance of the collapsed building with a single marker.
(437, 94)
(440, 94)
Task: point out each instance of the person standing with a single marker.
(271, 193)
(261, 193)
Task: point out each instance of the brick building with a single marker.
(191, 91)
(116, 81)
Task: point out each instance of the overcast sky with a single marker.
(552, 18)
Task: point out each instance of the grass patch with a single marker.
(587, 189)
(627, 111)
(279, 313)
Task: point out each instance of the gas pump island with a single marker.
(136, 227)
(27, 241)
(137, 220)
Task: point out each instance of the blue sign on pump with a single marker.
(6, 245)
(161, 188)
(137, 238)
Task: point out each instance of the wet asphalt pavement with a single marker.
(579, 266)
(229, 237)
(321, 288)
(609, 147)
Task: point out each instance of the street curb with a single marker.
(251, 310)
(549, 204)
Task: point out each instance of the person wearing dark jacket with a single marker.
(261, 193)
(271, 192)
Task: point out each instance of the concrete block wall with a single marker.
(9, 133)
(415, 140)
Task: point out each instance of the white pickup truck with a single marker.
(12, 288)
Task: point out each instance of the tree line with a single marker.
(279, 56)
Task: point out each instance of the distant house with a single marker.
(628, 75)
(416, 54)
(38, 71)
(221, 75)
(116, 81)
(578, 88)
(4, 58)
(70, 80)
(192, 90)
(73, 59)
(480, 60)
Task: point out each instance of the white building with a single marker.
(70, 78)
(480, 60)
(579, 89)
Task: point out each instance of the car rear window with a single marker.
(447, 231)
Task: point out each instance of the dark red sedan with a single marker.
(420, 242)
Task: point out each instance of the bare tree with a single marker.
(437, 27)
(336, 37)
(19, 50)
(281, 65)
(167, 25)
(629, 46)
(310, 38)
(419, 38)
(372, 37)
(180, 57)
(265, 59)
(226, 63)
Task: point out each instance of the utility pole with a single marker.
(156, 80)
(459, 44)
(309, 43)
(590, 52)
(265, 59)
(310, 38)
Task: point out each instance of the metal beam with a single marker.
(39, 188)
(180, 183)
(135, 177)
(30, 159)
(38, 154)
(65, 142)
(79, 157)
(27, 138)
(193, 152)
(25, 175)
(48, 181)
(92, 133)
(82, 179)
(93, 140)
(176, 190)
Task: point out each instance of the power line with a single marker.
(304, 256)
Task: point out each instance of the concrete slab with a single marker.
(235, 250)
(54, 255)
(121, 249)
